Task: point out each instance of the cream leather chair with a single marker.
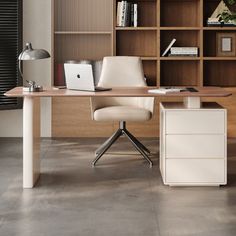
(122, 71)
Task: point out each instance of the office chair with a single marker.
(122, 71)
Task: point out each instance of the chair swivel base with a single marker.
(122, 131)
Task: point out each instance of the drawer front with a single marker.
(195, 171)
(195, 122)
(195, 146)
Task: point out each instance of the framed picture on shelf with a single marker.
(225, 45)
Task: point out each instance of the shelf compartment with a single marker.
(180, 73)
(180, 13)
(209, 7)
(220, 73)
(185, 38)
(136, 43)
(79, 47)
(209, 43)
(80, 15)
(146, 13)
(150, 72)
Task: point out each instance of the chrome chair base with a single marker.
(122, 131)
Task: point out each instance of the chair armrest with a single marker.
(94, 105)
(146, 103)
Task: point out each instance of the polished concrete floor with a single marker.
(122, 196)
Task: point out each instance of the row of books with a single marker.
(183, 52)
(127, 14)
(180, 51)
(211, 22)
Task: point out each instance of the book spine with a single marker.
(184, 48)
(128, 14)
(118, 23)
(135, 15)
(125, 14)
(132, 15)
(184, 52)
(122, 13)
(183, 55)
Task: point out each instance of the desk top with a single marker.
(119, 92)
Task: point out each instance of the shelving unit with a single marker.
(142, 40)
(82, 30)
(87, 30)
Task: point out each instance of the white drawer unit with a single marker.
(193, 145)
(195, 122)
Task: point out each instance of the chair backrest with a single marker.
(120, 71)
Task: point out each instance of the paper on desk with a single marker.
(164, 90)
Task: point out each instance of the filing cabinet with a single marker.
(193, 145)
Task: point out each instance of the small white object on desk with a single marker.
(165, 90)
(37, 88)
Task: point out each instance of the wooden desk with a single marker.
(31, 116)
(118, 92)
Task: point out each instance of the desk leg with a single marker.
(192, 102)
(31, 141)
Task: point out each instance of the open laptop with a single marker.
(80, 77)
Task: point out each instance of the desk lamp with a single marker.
(32, 54)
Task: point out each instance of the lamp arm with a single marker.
(20, 62)
(19, 68)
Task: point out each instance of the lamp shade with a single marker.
(32, 54)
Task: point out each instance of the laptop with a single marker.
(80, 77)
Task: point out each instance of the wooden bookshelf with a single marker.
(87, 30)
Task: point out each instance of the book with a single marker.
(132, 14)
(182, 55)
(165, 90)
(118, 22)
(169, 47)
(184, 50)
(127, 14)
(222, 24)
(122, 14)
(135, 15)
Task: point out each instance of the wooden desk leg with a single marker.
(31, 141)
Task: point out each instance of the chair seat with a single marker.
(122, 113)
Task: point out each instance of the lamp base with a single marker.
(33, 89)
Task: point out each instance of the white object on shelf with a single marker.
(168, 48)
(135, 15)
(193, 145)
(184, 50)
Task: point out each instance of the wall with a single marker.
(36, 29)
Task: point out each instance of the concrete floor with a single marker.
(120, 197)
